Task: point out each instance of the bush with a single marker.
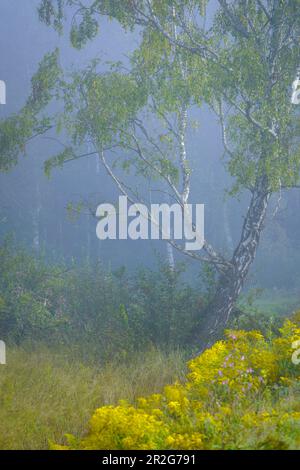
(103, 313)
(240, 393)
(31, 301)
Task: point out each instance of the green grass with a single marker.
(274, 302)
(45, 395)
(278, 304)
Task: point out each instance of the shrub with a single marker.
(109, 314)
(31, 297)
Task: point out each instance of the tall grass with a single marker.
(44, 394)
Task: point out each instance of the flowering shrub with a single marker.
(240, 393)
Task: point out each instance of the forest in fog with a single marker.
(149, 224)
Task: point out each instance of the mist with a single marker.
(200, 116)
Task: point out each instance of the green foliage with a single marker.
(256, 319)
(58, 160)
(118, 314)
(14, 132)
(113, 313)
(31, 304)
(248, 72)
(262, 128)
(44, 82)
(51, 13)
(264, 311)
(83, 32)
(170, 309)
(19, 129)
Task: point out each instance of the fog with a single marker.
(149, 229)
(34, 208)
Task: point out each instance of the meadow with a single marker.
(242, 393)
(107, 360)
(44, 395)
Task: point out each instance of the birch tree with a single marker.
(241, 62)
